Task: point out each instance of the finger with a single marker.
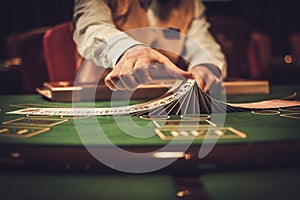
(206, 88)
(128, 81)
(201, 83)
(142, 71)
(176, 72)
(118, 84)
(187, 75)
(109, 84)
(112, 80)
(208, 82)
(131, 77)
(127, 74)
(122, 73)
(199, 80)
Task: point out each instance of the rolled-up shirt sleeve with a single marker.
(207, 51)
(95, 34)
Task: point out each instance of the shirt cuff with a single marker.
(107, 52)
(118, 45)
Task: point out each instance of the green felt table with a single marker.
(260, 184)
(258, 128)
(271, 137)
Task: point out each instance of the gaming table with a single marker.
(268, 157)
(262, 184)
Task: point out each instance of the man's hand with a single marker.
(208, 79)
(136, 66)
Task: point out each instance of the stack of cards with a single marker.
(182, 98)
(189, 99)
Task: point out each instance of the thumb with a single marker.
(187, 75)
(178, 73)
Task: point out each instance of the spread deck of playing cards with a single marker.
(184, 97)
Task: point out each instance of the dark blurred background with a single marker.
(276, 18)
(18, 15)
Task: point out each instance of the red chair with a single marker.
(63, 60)
(60, 52)
(294, 42)
(259, 56)
(248, 52)
(28, 46)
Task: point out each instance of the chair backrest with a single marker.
(28, 46)
(259, 56)
(248, 52)
(294, 42)
(59, 50)
(233, 34)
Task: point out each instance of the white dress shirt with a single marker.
(98, 39)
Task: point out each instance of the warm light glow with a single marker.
(64, 83)
(13, 62)
(15, 155)
(169, 155)
(288, 59)
(187, 156)
(183, 193)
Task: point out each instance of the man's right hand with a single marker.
(135, 66)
